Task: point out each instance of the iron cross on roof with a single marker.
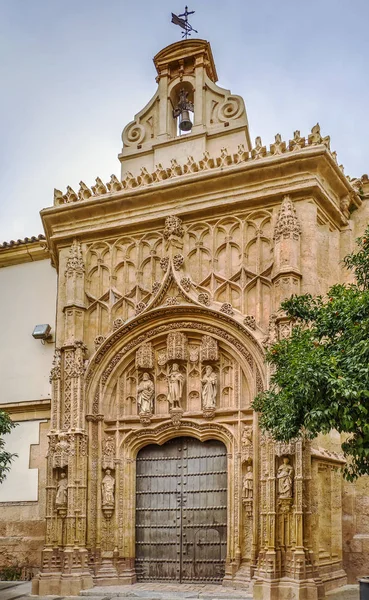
(178, 20)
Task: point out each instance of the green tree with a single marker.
(6, 425)
(320, 375)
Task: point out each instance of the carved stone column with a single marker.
(65, 558)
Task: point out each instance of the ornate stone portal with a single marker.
(162, 321)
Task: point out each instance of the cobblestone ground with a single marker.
(11, 590)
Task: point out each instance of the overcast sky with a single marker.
(74, 72)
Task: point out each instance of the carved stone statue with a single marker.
(285, 479)
(209, 388)
(175, 387)
(246, 437)
(107, 488)
(248, 484)
(145, 394)
(62, 491)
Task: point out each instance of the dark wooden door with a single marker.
(181, 511)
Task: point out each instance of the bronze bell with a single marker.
(185, 123)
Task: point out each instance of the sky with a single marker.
(73, 73)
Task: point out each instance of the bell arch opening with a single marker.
(181, 511)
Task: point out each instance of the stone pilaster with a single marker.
(65, 558)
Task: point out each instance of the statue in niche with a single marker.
(175, 387)
(247, 437)
(248, 484)
(145, 394)
(62, 491)
(107, 488)
(285, 479)
(209, 388)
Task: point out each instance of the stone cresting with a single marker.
(259, 152)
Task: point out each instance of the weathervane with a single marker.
(177, 20)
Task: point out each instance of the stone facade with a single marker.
(169, 284)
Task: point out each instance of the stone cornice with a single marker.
(23, 251)
(311, 171)
(31, 409)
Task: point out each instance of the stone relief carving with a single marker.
(247, 448)
(172, 301)
(186, 283)
(204, 298)
(75, 262)
(287, 225)
(123, 276)
(56, 365)
(227, 309)
(99, 339)
(164, 263)
(178, 261)
(108, 453)
(250, 322)
(173, 228)
(209, 348)
(285, 479)
(145, 356)
(176, 346)
(61, 452)
(117, 323)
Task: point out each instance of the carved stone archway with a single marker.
(115, 439)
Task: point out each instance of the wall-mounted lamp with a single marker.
(42, 332)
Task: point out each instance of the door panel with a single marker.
(181, 512)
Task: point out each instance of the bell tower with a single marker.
(188, 110)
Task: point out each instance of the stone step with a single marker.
(160, 593)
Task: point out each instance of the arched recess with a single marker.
(115, 439)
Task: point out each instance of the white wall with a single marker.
(21, 483)
(27, 298)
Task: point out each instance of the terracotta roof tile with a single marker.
(26, 240)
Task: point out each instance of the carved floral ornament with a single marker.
(75, 262)
(225, 159)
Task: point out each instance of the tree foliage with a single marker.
(320, 375)
(6, 425)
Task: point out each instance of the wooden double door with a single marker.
(181, 511)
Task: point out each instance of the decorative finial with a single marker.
(177, 20)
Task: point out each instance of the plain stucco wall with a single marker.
(27, 298)
(21, 483)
